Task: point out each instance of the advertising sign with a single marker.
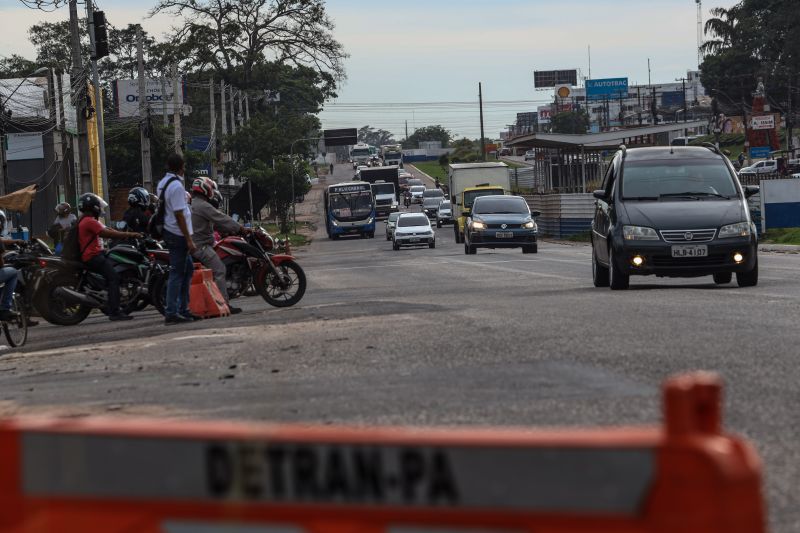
(609, 87)
(763, 122)
(544, 114)
(341, 137)
(759, 152)
(126, 95)
(22, 146)
(527, 119)
(543, 79)
(672, 99)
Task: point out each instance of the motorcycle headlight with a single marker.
(476, 224)
(740, 229)
(639, 233)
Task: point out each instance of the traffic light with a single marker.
(100, 35)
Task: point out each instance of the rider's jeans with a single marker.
(104, 265)
(8, 276)
(181, 268)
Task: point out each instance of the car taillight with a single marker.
(42, 263)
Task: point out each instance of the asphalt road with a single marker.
(423, 336)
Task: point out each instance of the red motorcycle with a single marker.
(251, 261)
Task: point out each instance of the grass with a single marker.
(295, 239)
(585, 236)
(782, 236)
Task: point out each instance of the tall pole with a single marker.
(648, 72)
(223, 115)
(79, 98)
(233, 112)
(98, 103)
(212, 145)
(241, 111)
(789, 122)
(69, 179)
(177, 100)
(144, 117)
(164, 113)
(246, 108)
(483, 139)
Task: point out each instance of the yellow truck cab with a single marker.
(468, 181)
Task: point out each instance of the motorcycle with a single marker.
(29, 259)
(251, 260)
(69, 291)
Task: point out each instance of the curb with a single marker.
(779, 248)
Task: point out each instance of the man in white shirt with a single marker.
(178, 238)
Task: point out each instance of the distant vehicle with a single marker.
(769, 166)
(444, 215)
(431, 199)
(501, 222)
(530, 155)
(413, 229)
(676, 212)
(683, 141)
(505, 152)
(357, 175)
(416, 193)
(385, 198)
(391, 222)
(360, 154)
(468, 181)
(350, 209)
(385, 201)
(403, 182)
(414, 181)
(392, 154)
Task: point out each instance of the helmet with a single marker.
(205, 186)
(91, 204)
(138, 196)
(216, 200)
(63, 209)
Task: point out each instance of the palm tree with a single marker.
(723, 26)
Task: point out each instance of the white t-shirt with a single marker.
(175, 200)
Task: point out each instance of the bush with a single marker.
(444, 160)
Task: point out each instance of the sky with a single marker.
(421, 61)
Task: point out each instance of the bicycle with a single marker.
(16, 331)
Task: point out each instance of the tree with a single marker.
(375, 137)
(428, 133)
(247, 32)
(52, 41)
(277, 182)
(465, 151)
(16, 66)
(570, 122)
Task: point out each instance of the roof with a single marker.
(477, 165)
(665, 152)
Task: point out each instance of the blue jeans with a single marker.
(8, 276)
(181, 268)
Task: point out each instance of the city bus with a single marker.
(350, 210)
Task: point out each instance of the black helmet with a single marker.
(216, 199)
(63, 209)
(139, 196)
(91, 204)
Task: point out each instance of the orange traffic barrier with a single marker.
(205, 300)
(114, 476)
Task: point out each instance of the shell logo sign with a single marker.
(563, 91)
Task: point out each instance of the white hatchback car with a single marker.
(413, 229)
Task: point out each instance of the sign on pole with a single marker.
(126, 95)
(343, 137)
(544, 79)
(763, 122)
(609, 87)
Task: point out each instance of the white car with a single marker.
(417, 191)
(762, 167)
(391, 222)
(530, 155)
(413, 229)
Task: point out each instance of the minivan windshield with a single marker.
(413, 220)
(433, 193)
(487, 205)
(679, 179)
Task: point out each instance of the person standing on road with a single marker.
(65, 219)
(206, 218)
(741, 159)
(178, 238)
(90, 231)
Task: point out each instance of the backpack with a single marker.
(155, 226)
(70, 247)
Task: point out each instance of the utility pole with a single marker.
(144, 117)
(223, 115)
(69, 178)
(212, 145)
(247, 108)
(164, 114)
(483, 139)
(789, 121)
(79, 99)
(654, 107)
(233, 112)
(241, 113)
(406, 130)
(98, 101)
(648, 72)
(177, 101)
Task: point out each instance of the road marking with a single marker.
(516, 270)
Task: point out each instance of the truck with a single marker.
(467, 181)
(387, 174)
(385, 198)
(392, 154)
(360, 154)
(350, 210)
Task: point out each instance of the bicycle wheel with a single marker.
(17, 330)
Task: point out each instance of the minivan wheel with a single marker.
(723, 278)
(748, 279)
(616, 279)
(599, 272)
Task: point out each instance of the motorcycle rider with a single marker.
(407, 198)
(135, 216)
(90, 232)
(65, 219)
(8, 276)
(206, 217)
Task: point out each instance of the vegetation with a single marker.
(428, 133)
(432, 169)
(375, 137)
(574, 122)
(295, 239)
(782, 236)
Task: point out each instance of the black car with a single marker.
(501, 222)
(675, 212)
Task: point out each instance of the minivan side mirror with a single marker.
(751, 190)
(600, 194)
(535, 214)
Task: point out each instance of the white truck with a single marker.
(360, 154)
(392, 154)
(467, 181)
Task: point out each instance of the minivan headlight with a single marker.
(740, 229)
(639, 233)
(476, 224)
(529, 225)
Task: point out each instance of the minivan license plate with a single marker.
(504, 235)
(694, 250)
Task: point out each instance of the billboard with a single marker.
(343, 137)
(543, 79)
(672, 99)
(545, 113)
(126, 97)
(22, 146)
(763, 122)
(527, 119)
(606, 88)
